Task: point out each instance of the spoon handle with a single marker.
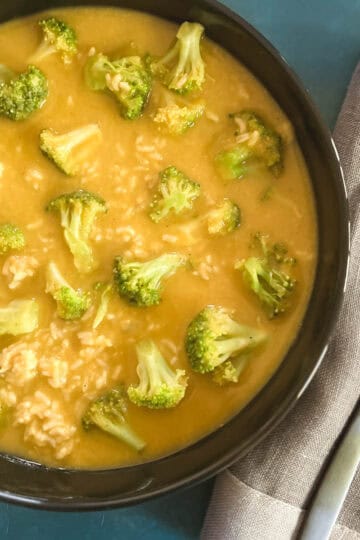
(334, 486)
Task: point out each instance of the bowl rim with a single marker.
(228, 458)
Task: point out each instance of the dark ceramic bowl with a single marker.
(35, 485)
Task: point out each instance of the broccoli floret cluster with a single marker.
(11, 238)
(22, 94)
(230, 371)
(127, 78)
(176, 192)
(160, 387)
(213, 338)
(19, 317)
(182, 69)
(69, 151)
(108, 414)
(220, 220)
(58, 37)
(178, 119)
(141, 282)
(271, 286)
(254, 143)
(264, 276)
(78, 211)
(71, 304)
(224, 218)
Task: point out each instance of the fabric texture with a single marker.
(263, 495)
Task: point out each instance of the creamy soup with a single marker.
(50, 375)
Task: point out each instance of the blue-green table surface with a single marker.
(321, 40)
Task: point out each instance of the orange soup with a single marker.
(157, 237)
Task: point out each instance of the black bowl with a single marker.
(33, 484)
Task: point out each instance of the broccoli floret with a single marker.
(230, 371)
(127, 78)
(224, 218)
(270, 285)
(255, 142)
(159, 386)
(182, 69)
(220, 220)
(68, 151)
(22, 94)
(141, 282)
(276, 253)
(177, 119)
(78, 212)
(105, 290)
(175, 193)
(213, 337)
(108, 414)
(58, 37)
(231, 164)
(265, 278)
(11, 238)
(19, 317)
(71, 303)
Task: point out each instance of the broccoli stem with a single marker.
(228, 346)
(45, 49)
(155, 273)
(153, 366)
(122, 431)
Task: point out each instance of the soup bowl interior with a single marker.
(34, 484)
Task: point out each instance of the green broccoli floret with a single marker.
(213, 337)
(106, 291)
(141, 282)
(254, 143)
(175, 193)
(19, 317)
(58, 37)
(220, 220)
(178, 119)
(224, 218)
(127, 78)
(69, 151)
(230, 371)
(22, 94)
(265, 278)
(11, 238)
(160, 387)
(182, 69)
(276, 253)
(232, 164)
(271, 286)
(78, 212)
(108, 414)
(71, 303)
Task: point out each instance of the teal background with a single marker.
(320, 39)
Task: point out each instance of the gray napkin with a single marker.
(263, 496)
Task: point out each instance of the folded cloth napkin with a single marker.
(263, 496)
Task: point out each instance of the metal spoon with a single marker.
(334, 486)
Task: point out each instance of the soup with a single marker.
(137, 161)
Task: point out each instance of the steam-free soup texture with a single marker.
(49, 376)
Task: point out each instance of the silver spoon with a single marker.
(334, 486)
